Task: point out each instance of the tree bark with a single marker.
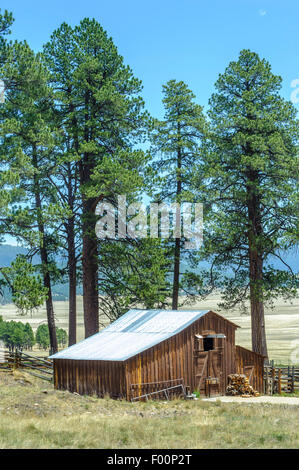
(258, 331)
(71, 238)
(44, 259)
(71, 251)
(177, 248)
(176, 274)
(72, 269)
(90, 244)
(90, 272)
(49, 302)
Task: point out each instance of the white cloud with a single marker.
(262, 12)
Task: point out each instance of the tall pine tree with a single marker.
(27, 152)
(20, 74)
(101, 113)
(251, 188)
(176, 147)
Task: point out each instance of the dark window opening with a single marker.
(208, 344)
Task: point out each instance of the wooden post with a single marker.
(266, 390)
(293, 380)
(279, 382)
(16, 362)
(273, 381)
(19, 359)
(289, 383)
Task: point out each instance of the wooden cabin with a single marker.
(146, 351)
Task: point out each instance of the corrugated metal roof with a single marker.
(132, 333)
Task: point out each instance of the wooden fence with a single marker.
(34, 365)
(281, 379)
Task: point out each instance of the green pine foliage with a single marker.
(42, 337)
(6, 20)
(16, 335)
(21, 73)
(28, 292)
(132, 274)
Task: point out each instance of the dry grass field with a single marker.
(282, 324)
(33, 415)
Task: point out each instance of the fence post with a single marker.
(273, 381)
(279, 382)
(15, 360)
(18, 359)
(267, 390)
(293, 380)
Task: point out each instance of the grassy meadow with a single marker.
(282, 324)
(33, 415)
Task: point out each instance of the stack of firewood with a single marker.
(239, 385)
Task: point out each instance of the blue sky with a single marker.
(190, 40)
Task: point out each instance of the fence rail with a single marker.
(281, 379)
(163, 389)
(37, 366)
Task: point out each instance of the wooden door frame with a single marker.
(208, 364)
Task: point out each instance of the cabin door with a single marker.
(209, 364)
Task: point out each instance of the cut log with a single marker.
(239, 385)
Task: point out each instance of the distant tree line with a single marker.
(18, 335)
(42, 337)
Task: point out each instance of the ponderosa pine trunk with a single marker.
(176, 274)
(71, 251)
(49, 303)
(71, 238)
(90, 270)
(72, 271)
(177, 248)
(90, 258)
(44, 259)
(258, 330)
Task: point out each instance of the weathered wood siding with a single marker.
(173, 358)
(90, 377)
(245, 357)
